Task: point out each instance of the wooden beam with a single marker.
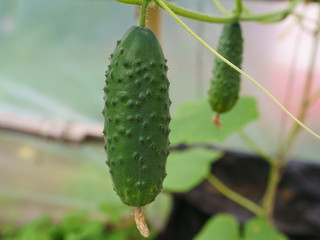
(51, 128)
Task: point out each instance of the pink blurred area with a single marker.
(279, 82)
(292, 59)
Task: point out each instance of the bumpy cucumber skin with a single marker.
(136, 113)
(225, 83)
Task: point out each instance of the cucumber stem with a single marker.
(239, 7)
(143, 14)
(140, 222)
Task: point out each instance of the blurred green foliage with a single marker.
(75, 226)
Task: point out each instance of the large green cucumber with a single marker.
(136, 113)
(225, 83)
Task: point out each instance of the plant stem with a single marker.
(254, 147)
(143, 13)
(239, 7)
(234, 196)
(270, 193)
(314, 97)
(133, 2)
(266, 17)
(221, 8)
(164, 6)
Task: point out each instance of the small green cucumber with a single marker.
(136, 117)
(225, 83)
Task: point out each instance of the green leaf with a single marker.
(260, 229)
(187, 168)
(220, 227)
(192, 123)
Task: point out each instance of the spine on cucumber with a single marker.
(225, 83)
(136, 117)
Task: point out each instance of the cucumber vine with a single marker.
(265, 18)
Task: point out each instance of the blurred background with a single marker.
(53, 55)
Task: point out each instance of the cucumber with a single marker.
(225, 83)
(136, 117)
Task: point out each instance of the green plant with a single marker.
(195, 116)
